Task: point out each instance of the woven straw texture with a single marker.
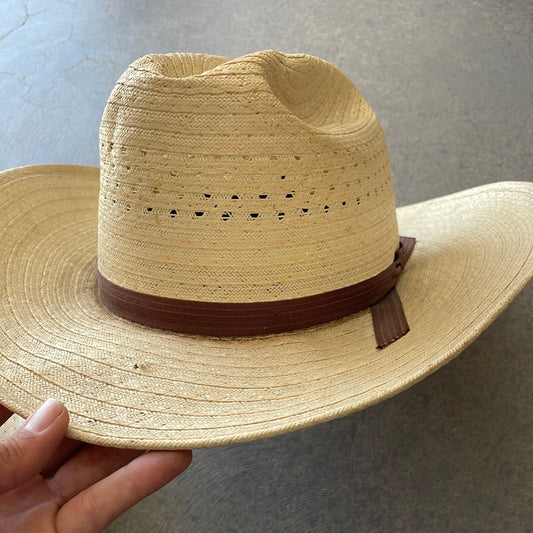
(132, 386)
(258, 179)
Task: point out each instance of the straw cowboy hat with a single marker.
(237, 267)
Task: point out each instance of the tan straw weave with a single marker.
(265, 178)
(260, 179)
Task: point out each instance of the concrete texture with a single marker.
(452, 83)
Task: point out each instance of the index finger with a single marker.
(127, 485)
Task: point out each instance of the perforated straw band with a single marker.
(256, 318)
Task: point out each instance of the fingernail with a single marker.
(44, 416)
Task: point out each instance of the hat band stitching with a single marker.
(228, 319)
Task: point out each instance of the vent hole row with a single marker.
(134, 188)
(226, 215)
(173, 213)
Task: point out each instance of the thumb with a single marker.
(25, 453)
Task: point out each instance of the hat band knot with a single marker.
(222, 319)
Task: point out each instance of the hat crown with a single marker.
(262, 178)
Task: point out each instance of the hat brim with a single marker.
(127, 385)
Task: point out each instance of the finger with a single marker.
(63, 453)
(24, 453)
(93, 509)
(5, 413)
(86, 468)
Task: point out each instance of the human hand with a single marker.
(49, 483)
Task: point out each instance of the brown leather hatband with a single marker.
(261, 318)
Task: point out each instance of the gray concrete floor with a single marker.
(452, 83)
